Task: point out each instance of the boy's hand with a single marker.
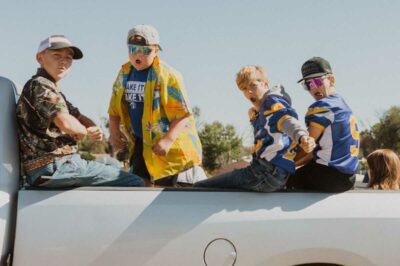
(78, 137)
(162, 146)
(307, 143)
(252, 113)
(117, 139)
(95, 133)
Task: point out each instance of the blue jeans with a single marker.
(73, 171)
(260, 175)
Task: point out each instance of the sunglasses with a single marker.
(134, 49)
(315, 82)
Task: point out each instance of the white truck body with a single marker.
(150, 226)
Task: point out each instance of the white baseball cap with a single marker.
(148, 33)
(55, 42)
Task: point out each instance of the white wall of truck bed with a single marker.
(156, 227)
(9, 167)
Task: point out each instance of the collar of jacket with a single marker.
(41, 72)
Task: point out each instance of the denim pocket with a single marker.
(269, 177)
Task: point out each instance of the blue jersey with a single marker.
(269, 141)
(339, 143)
(134, 95)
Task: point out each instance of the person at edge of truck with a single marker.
(49, 126)
(277, 133)
(384, 170)
(334, 162)
(149, 112)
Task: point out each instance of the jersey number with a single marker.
(356, 136)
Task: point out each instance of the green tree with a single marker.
(196, 115)
(384, 134)
(220, 143)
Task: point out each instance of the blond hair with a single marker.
(249, 73)
(384, 169)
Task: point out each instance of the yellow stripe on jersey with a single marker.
(316, 110)
(280, 121)
(274, 108)
(313, 124)
(291, 152)
(257, 146)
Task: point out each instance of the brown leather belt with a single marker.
(39, 162)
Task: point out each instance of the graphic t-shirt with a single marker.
(134, 95)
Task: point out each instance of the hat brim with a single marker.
(142, 43)
(314, 76)
(77, 52)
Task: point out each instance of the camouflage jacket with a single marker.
(40, 101)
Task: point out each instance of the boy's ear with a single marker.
(39, 58)
(332, 79)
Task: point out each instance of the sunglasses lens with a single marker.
(146, 50)
(315, 82)
(318, 82)
(133, 49)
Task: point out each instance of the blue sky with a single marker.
(209, 41)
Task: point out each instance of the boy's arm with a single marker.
(94, 132)
(175, 103)
(302, 157)
(86, 121)
(162, 146)
(117, 137)
(292, 127)
(70, 125)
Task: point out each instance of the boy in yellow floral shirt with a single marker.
(149, 112)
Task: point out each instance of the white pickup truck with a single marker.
(148, 226)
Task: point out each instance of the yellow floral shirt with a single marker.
(165, 100)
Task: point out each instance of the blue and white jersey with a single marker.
(269, 141)
(339, 143)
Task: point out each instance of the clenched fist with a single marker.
(162, 146)
(307, 143)
(95, 133)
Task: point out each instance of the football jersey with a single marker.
(269, 141)
(339, 143)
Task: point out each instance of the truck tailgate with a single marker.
(105, 226)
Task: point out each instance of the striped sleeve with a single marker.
(319, 115)
(277, 110)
